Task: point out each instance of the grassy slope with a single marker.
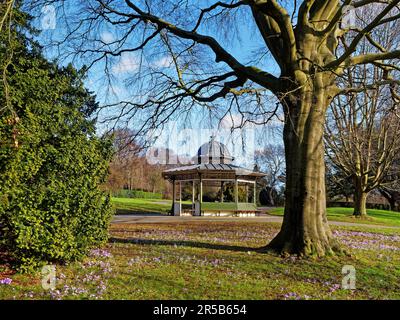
(215, 261)
(378, 217)
(133, 205)
(136, 206)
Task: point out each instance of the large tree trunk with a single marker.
(360, 201)
(392, 204)
(305, 229)
(391, 197)
(270, 196)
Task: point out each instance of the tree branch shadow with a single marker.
(192, 244)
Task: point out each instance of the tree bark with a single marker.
(390, 197)
(392, 204)
(360, 197)
(270, 196)
(305, 229)
(360, 204)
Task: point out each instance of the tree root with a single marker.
(309, 250)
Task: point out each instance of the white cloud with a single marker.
(107, 37)
(128, 62)
(231, 121)
(164, 62)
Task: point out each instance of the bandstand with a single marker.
(213, 186)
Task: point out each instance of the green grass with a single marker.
(135, 206)
(378, 217)
(136, 194)
(139, 206)
(215, 260)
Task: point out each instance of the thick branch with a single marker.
(372, 57)
(272, 9)
(345, 58)
(265, 79)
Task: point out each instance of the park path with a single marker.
(158, 218)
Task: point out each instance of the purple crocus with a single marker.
(6, 281)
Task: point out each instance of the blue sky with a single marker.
(245, 41)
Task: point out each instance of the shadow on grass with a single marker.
(192, 244)
(119, 212)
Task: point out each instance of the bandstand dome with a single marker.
(213, 169)
(213, 152)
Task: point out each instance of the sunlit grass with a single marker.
(137, 206)
(216, 260)
(163, 206)
(379, 217)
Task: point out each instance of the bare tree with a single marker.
(308, 40)
(361, 126)
(338, 184)
(392, 195)
(390, 188)
(363, 142)
(129, 168)
(271, 160)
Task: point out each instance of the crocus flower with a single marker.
(6, 281)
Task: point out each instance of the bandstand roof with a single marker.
(221, 170)
(213, 161)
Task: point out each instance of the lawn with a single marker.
(163, 206)
(377, 217)
(140, 206)
(216, 260)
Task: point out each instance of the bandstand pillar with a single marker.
(236, 192)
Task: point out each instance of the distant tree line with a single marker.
(129, 168)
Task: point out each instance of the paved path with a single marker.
(158, 218)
